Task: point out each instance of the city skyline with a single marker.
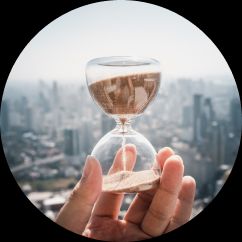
(48, 131)
(61, 50)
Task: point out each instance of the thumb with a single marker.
(76, 212)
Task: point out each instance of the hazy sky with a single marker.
(61, 50)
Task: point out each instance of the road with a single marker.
(39, 162)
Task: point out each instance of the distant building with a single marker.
(5, 120)
(207, 117)
(71, 141)
(28, 118)
(214, 142)
(235, 116)
(231, 150)
(43, 102)
(197, 113)
(203, 170)
(208, 108)
(86, 142)
(55, 93)
(187, 116)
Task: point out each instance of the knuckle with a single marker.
(178, 221)
(158, 214)
(76, 192)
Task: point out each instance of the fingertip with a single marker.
(174, 162)
(189, 182)
(172, 173)
(166, 150)
(93, 159)
(188, 189)
(163, 155)
(92, 165)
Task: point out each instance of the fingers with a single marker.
(76, 212)
(109, 204)
(163, 204)
(184, 204)
(142, 201)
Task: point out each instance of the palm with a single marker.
(108, 229)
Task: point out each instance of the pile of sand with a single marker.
(130, 182)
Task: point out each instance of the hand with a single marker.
(94, 214)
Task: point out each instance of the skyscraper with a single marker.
(43, 102)
(5, 117)
(235, 117)
(231, 149)
(55, 93)
(197, 112)
(71, 141)
(217, 142)
(187, 116)
(87, 141)
(208, 108)
(207, 117)
(28, 118)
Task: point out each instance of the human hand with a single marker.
(94, 214)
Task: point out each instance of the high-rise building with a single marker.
(43, 102)
(71, 141)
(197, 113)
(208, 108)
(5, 121)
(187, 116)
(55, 93)
(28, 118)
(26, 112)
(235, 117)
(87, 140)
(24, 102)
(207, 117)
(217, 142)
(231, 150)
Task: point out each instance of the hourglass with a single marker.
(123, 87)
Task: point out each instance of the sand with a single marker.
(130, 182)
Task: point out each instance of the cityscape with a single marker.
(48, 128)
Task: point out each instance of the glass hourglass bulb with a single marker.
(123, 87)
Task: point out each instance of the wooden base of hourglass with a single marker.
(130, 181)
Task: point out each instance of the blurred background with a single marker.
(49, 123)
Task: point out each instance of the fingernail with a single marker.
(88, 166)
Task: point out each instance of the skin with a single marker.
(94, 214)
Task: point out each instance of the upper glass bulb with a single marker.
(123, 86)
